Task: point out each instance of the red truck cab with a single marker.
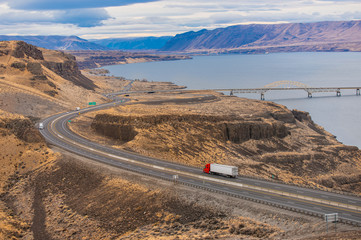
(220, 169)
(207, 168)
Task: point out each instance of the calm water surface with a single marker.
(338, 115)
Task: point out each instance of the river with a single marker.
(338, 115)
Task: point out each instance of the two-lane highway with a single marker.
(57, 132)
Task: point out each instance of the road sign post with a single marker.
(175, 178)
(331, 217)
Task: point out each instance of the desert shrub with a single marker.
(18, 65)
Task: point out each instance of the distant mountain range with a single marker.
(321, 36)
(253, 38)
(56, 42)
(141, 43)
(75, 43)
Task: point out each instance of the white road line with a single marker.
(155, 166)
(209, 178)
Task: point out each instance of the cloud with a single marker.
(82, 18)
(82, 13)
(124, 18)
(67, 4)
(78, 17)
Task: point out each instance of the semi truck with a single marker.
(225, 170)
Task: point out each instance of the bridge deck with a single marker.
(309, 90)
(289, 88)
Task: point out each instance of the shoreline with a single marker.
(96, 59)
(329, 63)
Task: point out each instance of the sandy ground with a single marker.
(287, 224)
(167, 126)
(46, 193)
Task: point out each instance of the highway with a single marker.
(305, 200)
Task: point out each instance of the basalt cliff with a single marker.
(263, 139)
(35, 81)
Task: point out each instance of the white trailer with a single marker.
(214, 168)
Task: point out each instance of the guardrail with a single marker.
(247, 198)
(284, 206)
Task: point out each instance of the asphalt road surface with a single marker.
(310, 201)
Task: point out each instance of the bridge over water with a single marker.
(275, 86)
(290, 86)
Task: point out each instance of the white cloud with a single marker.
(167, 17)
(67, 4)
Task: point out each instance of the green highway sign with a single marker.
(69, 120)
(92, 103)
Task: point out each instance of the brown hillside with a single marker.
(263, 139)
(47, 195)
(36, 81)
(29, 59)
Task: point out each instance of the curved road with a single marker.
(310, 201)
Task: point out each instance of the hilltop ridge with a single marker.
(34, 80)
(319, 36)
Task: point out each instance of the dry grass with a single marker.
(38, 91)
(308, 155)
(17, 158)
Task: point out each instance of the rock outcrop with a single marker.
(32, 58)
(24, 50)
(68, 69)
(22, 128)
(262, 138)
(224, 128)
(37, 61)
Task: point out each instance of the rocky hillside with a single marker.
(44, 195)
(36, 80)
(56, 42)
(262, 138)
(323, 36)
(31, 60)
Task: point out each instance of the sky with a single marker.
(97, 19)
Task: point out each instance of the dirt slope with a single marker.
(23, 150)
(51, 195)
(37, 82)
(70, 198)
(263, 139)
(47, 195)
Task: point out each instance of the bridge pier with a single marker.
(294, 86)
(338, 93)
